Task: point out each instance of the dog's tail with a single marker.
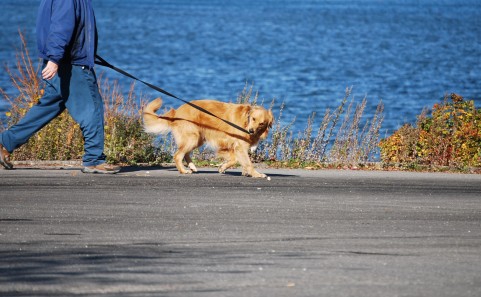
(152, 122)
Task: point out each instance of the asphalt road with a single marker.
(152, 232)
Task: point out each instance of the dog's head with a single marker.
(259, 121)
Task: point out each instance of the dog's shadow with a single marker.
(239, 174)
(130, 169)
(201, 171)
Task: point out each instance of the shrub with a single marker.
(450, 136)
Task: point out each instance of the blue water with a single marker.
(407, 53)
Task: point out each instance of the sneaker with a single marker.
(5, 158)
(102, 168)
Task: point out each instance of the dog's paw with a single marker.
(192, 167)
(258, 175)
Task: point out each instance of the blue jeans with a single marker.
(75, 88)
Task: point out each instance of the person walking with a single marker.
(67, 43)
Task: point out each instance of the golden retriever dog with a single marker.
(192, 128)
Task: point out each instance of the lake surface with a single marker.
(305, 53)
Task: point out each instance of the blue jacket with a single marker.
(66, 32)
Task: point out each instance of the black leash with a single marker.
(100, 61)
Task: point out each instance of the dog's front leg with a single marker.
(247, 167)
(230, 160)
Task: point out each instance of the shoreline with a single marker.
(372, 166)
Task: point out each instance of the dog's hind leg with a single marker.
(186, 143)
(190, 163)
(178, 159)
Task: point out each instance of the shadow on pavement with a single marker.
(202, 171)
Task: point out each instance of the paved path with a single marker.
(152, 232)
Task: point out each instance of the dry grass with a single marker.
(341, 138)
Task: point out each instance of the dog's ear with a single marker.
(247, 113)
(242, 115)
(271, 119)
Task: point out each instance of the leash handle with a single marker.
(102, 62)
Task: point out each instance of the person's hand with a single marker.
(50, 70)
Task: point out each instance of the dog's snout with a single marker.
(251, 130)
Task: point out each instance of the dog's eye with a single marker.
(253, 119)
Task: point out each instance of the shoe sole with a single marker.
(6, 165)
(88, 170)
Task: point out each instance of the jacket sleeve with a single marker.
(62, 27)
